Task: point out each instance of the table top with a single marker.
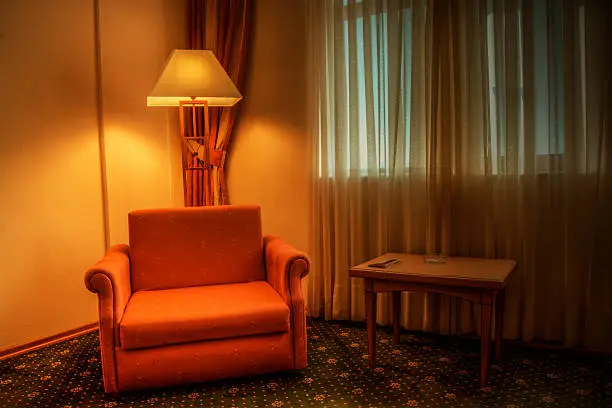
(471, 272)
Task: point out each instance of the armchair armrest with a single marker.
(285, 269)
(110, 279)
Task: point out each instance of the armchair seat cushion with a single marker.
(171, 316)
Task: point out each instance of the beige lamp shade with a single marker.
(193, 75)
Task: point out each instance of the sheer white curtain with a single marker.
(472, 128)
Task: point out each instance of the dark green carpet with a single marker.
(424, 371)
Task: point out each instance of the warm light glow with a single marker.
(193, 75)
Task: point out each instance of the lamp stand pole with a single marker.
(193, 133)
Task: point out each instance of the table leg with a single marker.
(499, 322)
(397, 307)
(485, 340)
(370, 299)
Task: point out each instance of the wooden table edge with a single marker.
(474, 283)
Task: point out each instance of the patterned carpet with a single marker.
(424, 371)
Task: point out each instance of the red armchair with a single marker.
(198, 295)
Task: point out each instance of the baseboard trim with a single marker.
(47, 341)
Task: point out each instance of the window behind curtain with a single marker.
(379, 59)
(548, 59)
(547, 73)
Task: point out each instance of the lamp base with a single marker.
(195, 138)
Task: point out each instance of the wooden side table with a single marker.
(479, 280)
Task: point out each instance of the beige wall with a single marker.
(49, 168)
(269, 159)
(52, 226)
(142, 144)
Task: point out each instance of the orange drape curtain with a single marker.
(221, 26)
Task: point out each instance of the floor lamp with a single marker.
(194, 79)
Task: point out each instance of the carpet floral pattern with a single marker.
(423, 371)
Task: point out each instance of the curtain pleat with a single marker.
(468, 128)
(223, 27)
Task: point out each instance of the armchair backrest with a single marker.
(197, 246)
